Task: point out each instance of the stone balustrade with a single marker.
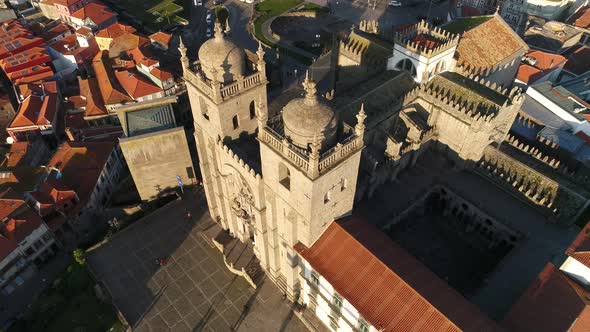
(302, 159)
(225, 91)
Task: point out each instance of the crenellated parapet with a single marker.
(363, 51)
(238, 161)
(439, 40)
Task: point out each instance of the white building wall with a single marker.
(576, 270)
(349, 320)
(576, 124)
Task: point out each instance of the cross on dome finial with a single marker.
(310, 90)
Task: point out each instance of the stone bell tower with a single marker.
(223, 88)
(310, 162)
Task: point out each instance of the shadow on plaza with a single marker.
(127, 266)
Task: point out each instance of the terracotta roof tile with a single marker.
(581, 18)
(391, 289)
(31, 71)
(580, 248)
(36, 111)
(94, 11)
(74, 159)
(577, 62)
(115, 30)
(489, 43)
(90, 91)
(544, 64)
(37, 78)
(28, 89)
(160, 74)
(552, 302)
(9, 206)
(110, 89)
(135, 84)
(18, 150)
(161, 38)
(21, 226)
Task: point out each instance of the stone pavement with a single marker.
(193, 291)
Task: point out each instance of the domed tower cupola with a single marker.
(222, 60)
(307, 117)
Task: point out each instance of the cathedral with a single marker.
(286, 176)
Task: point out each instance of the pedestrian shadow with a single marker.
(247, 306)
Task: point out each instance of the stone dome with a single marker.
(306, 117)
(222, 56)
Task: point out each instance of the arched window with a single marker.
(234, 121)
(407, 65)
(284, 176)
(327, 197)
(252, 110)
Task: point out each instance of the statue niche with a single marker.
(242, 202)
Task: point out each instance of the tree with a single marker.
(80, 256)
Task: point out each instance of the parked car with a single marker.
(249, 1)
(208, 32)
(395, 3)
(209, 18)
(198, 3)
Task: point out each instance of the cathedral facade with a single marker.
(280, 180)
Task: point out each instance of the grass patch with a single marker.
(267, 10)
(221, 14)
(156, 14)
(464, 24)
(312, 7)
(70, 305)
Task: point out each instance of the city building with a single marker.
(25, 242)
(94, 16)
(155, 148)
(538, 66)
(403, 136)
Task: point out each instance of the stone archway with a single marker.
(407, 65)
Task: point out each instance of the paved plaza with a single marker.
(194, 291)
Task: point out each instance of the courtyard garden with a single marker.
(70, 304)
(156, 14)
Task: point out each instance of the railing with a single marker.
(340, 151)
(242, 84)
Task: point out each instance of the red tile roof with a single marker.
(391, 289)
(135, 84)
(552, 302)
(112, 92)
(115, 30)
(161, 38)
(21, 226)
(18, 150)
(37, 78)
(581, 18)
(28, 89)
(96, 12)
(36, 111)
(9, 206)
(577, 63)
(580, 248)
(54, 194)
(90, 92)
(160, 74)
(29, 58)
(427, 41)
(545, 64)
(74, 159)
(35, 70)
(489, 43)
(142, 56)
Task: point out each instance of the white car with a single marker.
(198, 3)
(395, 3)
(249, 1)
(209, 18)
(208, 32)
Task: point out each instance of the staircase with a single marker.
(239, 257)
